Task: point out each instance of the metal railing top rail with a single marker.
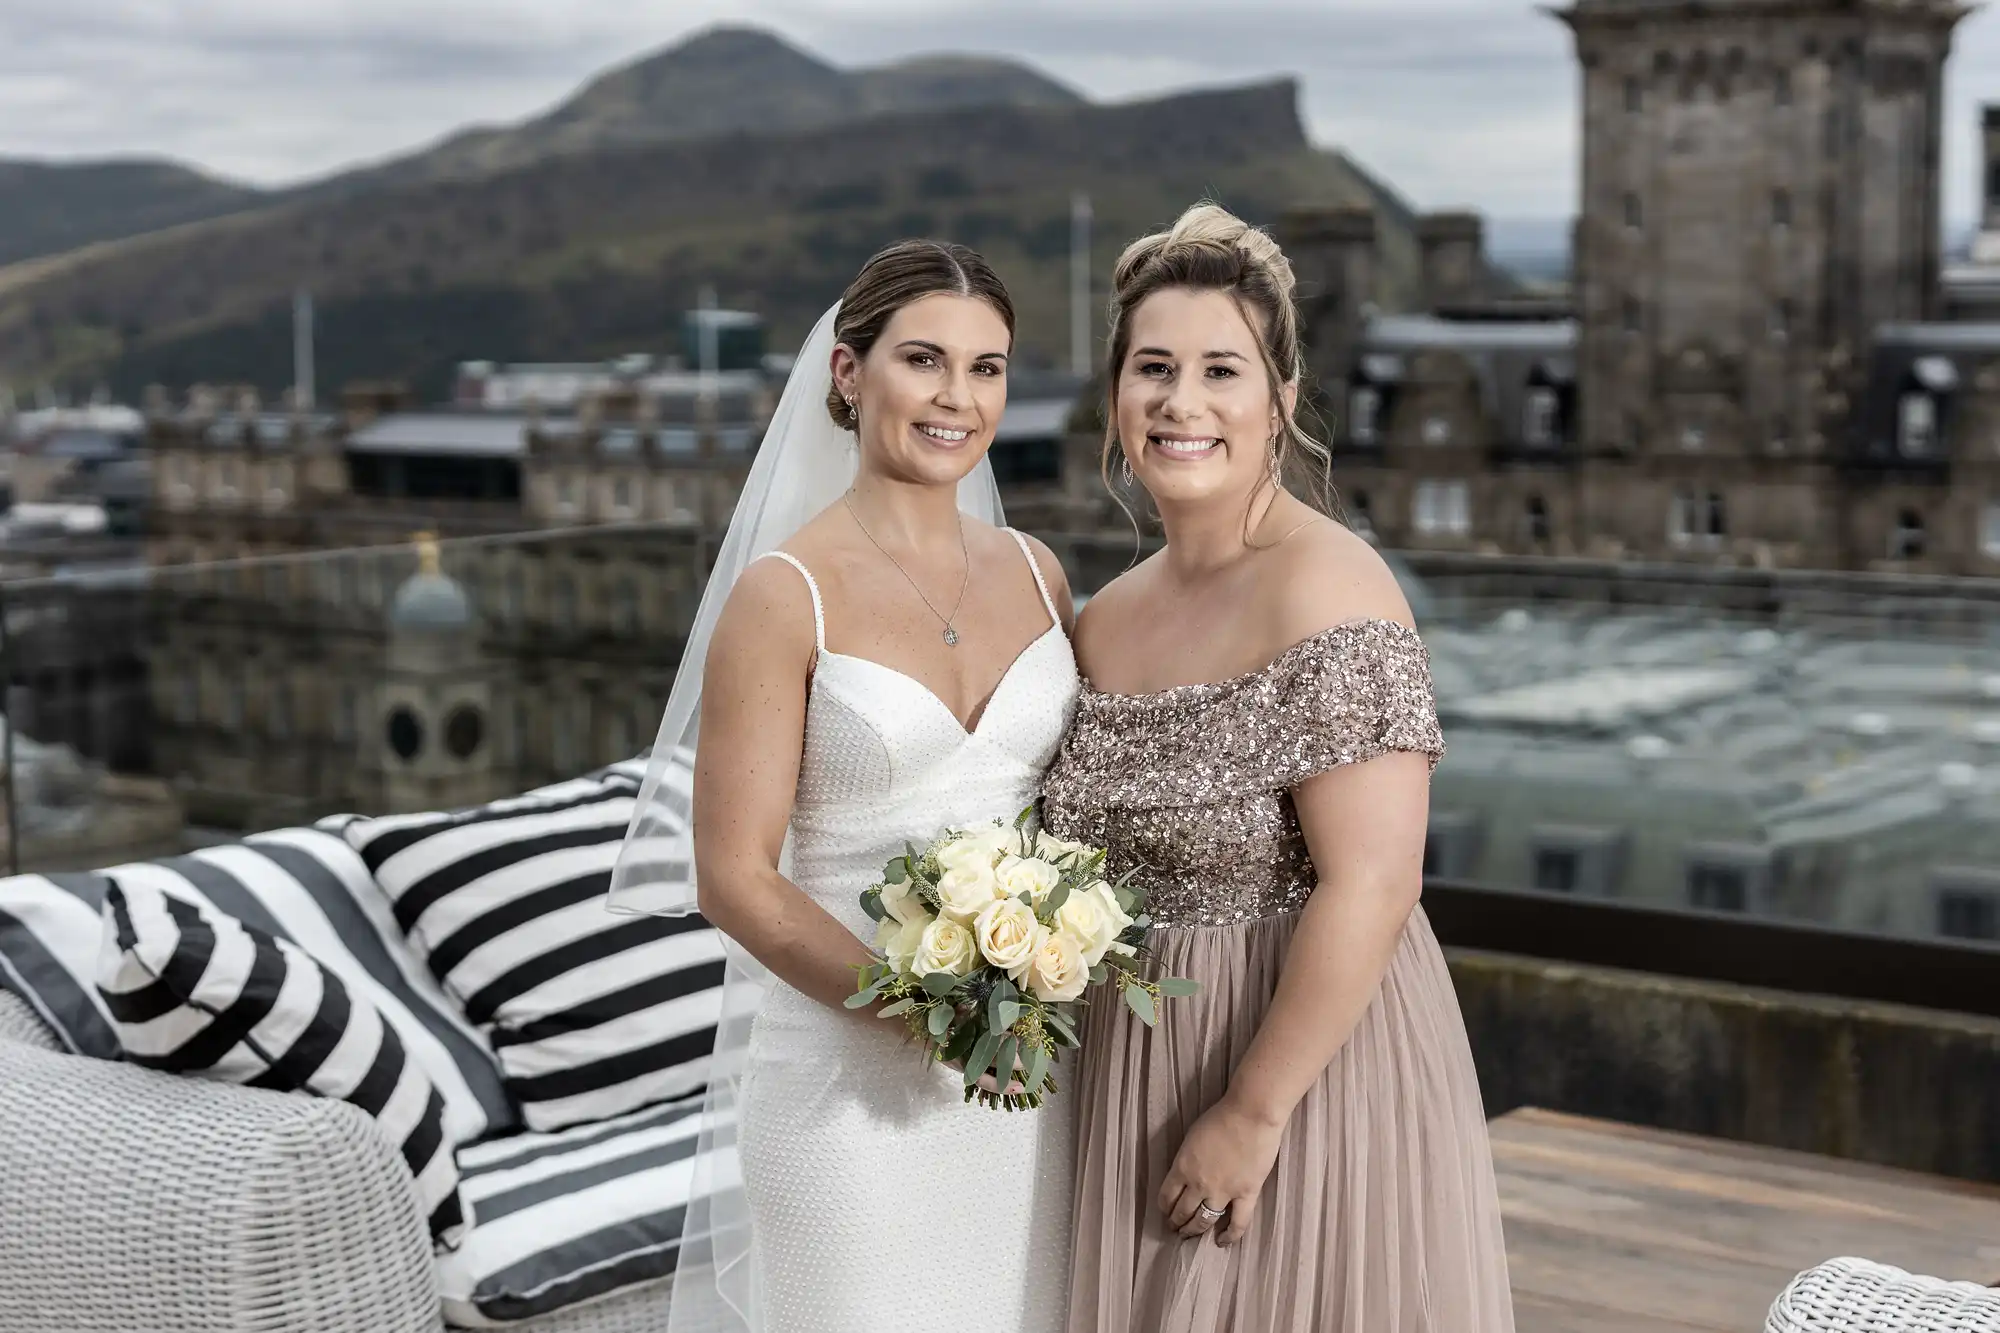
(139, 573)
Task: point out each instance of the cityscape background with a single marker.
(367, 452)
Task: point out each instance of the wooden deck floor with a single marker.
(1614, 1229)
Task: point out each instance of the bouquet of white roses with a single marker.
(990, 937)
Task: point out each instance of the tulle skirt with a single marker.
(1380, 1215)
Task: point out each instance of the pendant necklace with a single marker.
(950, 634)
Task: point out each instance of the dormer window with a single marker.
(1906, 539)
(1539, 417)
(1364, 410)
(1916, 424)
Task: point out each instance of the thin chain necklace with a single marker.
(950, 634)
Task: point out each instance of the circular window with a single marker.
(406, 733)
(463, 731)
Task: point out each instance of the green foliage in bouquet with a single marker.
(989, 941)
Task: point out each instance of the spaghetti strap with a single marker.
(1035, 568)
(812, 586)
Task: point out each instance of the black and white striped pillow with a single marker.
(303, 886)
(576, 1215)
(198, 992)
(590, 1014)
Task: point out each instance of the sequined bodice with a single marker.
(1193, 783)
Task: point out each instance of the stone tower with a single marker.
(1333, 255)
(431, 745)
(1759, 192)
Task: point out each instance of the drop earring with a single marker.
(1125, 468)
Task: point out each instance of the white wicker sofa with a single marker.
(137, 1199)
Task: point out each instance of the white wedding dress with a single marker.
(878, 1198)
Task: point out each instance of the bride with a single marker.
(882, 661)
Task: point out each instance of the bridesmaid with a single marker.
(1301, 1147)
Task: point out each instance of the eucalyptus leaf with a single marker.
(1003, 1063)
(871, 903)
(962, 1041)
(862, 999)
(1179, 986)
(939, 984)
(1038, 1066)
(1009, 1010)
(1060, 1026)
(981, 1058)
(1098, 974)
(939, 1021)
(902, 1006)
(1141, 1003)
(1054, 902)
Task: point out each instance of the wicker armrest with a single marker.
(135, 1199)
(21, 1024)
(1866, 1297)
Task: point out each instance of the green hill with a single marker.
(725, 80)
(595, 253)
(49, 207)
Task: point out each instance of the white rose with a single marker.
(1092, 920)
(968, 883)
(1030, 875)
(995, 838)
(1057, 972)
(946, 946)
(898, 941)
(898, 934)
(901, 901)
(1008, 934)
(1051, 848)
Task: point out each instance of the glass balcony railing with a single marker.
(1825, 752)
(160, 707)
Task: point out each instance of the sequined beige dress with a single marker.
(1380, 1215)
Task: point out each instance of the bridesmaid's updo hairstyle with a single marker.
(1210, 249)
(904, 272)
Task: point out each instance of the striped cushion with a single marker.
(193, 991)
(567, 1217)
(590, 1014)
(298, 885)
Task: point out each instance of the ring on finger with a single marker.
(1208, 1214)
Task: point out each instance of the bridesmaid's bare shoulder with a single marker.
(1108, 611)
(1325, 575)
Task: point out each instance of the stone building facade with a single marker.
(1755, 364)
(297, 657)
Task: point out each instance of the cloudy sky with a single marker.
(1457, 102)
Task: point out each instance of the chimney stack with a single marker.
(1453, 247)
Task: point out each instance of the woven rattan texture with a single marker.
(139, 1200)
(20, 1023)
(1859, 1296)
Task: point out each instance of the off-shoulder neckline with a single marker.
(1255, 673)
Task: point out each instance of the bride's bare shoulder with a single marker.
(768, 617)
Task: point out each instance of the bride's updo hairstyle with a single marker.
(1210, 249)
(904, 272)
